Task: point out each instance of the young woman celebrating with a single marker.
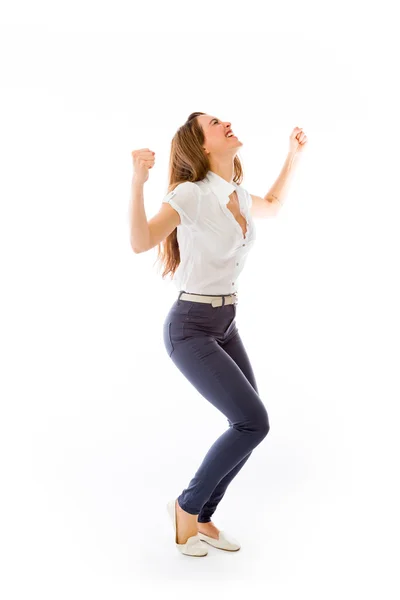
(206, 228)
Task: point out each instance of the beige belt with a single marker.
(214, 300)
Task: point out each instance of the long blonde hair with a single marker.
(187, 162)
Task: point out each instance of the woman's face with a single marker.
(216, 142)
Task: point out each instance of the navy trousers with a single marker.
(204, 343)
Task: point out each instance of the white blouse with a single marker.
(213, 250)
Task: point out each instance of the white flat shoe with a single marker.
(224, 542)
(193, 545)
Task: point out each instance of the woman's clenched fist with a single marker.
(143, 160)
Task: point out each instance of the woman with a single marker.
(207, 229)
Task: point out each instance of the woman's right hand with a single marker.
(143, 160)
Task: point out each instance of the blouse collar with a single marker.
(220, 186)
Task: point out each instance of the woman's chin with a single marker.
(238, 144)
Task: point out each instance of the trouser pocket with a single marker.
(167, 338)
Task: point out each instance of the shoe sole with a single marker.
(218, 547)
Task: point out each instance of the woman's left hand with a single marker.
(297, 140)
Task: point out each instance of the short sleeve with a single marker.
(185, 200)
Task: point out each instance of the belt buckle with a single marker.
(215, 302)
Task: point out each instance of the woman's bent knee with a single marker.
(263, 425)
(258, 425)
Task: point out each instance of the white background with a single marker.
(97, 424)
